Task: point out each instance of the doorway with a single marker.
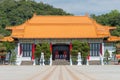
(60, 51)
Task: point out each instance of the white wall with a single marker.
(106, 46)
(110, 47)
(94, 58)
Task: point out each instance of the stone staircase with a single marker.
(94, 62)
(27, 63)
(60, 62)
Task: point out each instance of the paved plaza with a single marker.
(96, 72)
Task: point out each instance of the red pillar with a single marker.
(101, 48)
(51, 47)
(88, 57)
(33, 51)
(20, 49)
(70, 46)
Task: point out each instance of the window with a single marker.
(26, 49)
(94, 49)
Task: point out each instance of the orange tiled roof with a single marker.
(17, 27)
(60, 31)
(60, 27)
(9, 39)
(113, 38)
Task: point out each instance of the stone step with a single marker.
(27, 63)
(94, 62)
(60, 62)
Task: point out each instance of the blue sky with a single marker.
(81, 7)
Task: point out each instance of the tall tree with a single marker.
(37, 53)
(107, 56)
(81, 47)
(9, 46)
(45, 48)
(2, 47)
(13, 57)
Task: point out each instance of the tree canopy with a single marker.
(111, 19)
(82, 47)
(45, 48)
(15, 12)
(107, 56)
(2, 47)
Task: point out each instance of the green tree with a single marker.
(2, 50)
(82, 47)
(107, 56)
(38, 53)
(18, 11)
(45, 48)
(110, 19)
(9, 46)
(2, 47)
(13, 57)
(2, 53)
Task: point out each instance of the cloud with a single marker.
(79, 7)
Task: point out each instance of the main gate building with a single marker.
(60, 31)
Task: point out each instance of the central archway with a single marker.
(60, 51)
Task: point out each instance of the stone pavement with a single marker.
(93, 72)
